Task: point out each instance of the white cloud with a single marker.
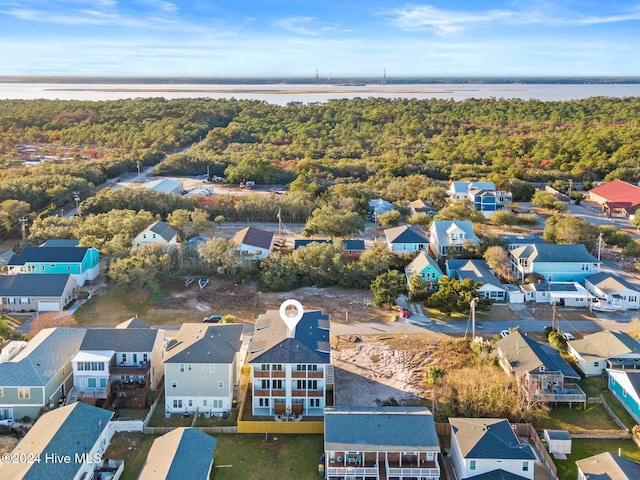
(297, 24)
(444, 22)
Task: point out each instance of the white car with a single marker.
(568, 336)
(504, 333)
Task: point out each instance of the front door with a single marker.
(135, 358)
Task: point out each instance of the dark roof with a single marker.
(350, 245)
(34, 285)
(204, 343)
(379, 428)
(58, 242)
(610, 282)
(558, 434)
(488, 438)
(309, 342)
(163, 229)
(49, 255)
(133, 322)
(476, 270)
(555, 252)
(179, 454)
(254, 237)
(405, 234)
(69, 430)
(120, 339)
(527, 355)
(607, 466)
(497, 475)
(634, 380)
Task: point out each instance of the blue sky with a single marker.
(337, 37)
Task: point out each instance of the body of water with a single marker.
(282, 94)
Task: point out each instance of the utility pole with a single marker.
(473, 304)
(138, 170)
(76, 198)
(23, 221)
(553, 316)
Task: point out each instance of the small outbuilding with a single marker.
(558, 443)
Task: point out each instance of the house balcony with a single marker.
(409, 467)
(268, 393)
(140, 370)
(261, 374)
(297, 374)
(565, 394)
(307, 393)
(278, 374)
(94, 393)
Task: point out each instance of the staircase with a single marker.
(330, 375)
(72, 397)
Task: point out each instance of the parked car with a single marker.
(504, 333)
(404, 313)
(568, 336)
(212, 319)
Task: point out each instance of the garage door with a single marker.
(48, 306)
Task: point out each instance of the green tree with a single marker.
(337, 223)
(220, 256)
(565, 229)
(387, 287)
(417, 288)
(389, 219)
(433, 374)
(498, 260)
(10, 211)
(461, 210)
(456, 296)
(503, 217)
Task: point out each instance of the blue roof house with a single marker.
(82, 263)
(554, 262)
(406, 239)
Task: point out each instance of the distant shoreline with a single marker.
(261, 90)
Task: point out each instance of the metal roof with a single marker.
(49, 255)
(554, 252)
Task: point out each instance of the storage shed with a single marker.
(558, 442)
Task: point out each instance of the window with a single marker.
(525, 466)
(189, 367)
(1, 392)
(177, 404)
(92, 382)
(182, 368)
(204, 402)
(264, 367)
(212, 368)
(145, 357)
(584, 266)
(220, 384)
(24, 393)
(265, 384)
(174, 384)
(205, 367)
(103, 382)
(124, 358)
(276, 384)
(190, 403)
(472, 465)
(313, 368)
(264, 402)
(596, 364)
(277, 368)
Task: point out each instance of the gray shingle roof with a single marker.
(489, 438)
(405, 234)
(69, 430)
(309, 344)
(202, 343)
(49, 255)
(133, 322)
(526, 355)
(44, 355)
(606, 344)
(120, 339)
(419, 263)
(162, 229)
(611, 283)
(606, 466)
(254, 237)
(476, 270)
(34, 285)
(553, 252)
(497, 475)
(59, 242)
(179, 454)
(380, 428)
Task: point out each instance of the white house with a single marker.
(594, 350)
(202, 367)
(489, 446)
(254, 242)
(478, 271)
(613, 291)
(460, 190)
(157, 233)
(290, 361)
(445, 234)
(567, 294)
(406, 239)
(79, 432)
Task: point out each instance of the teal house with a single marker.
(625, 385)
(554, 262)
(82, 263)
(427, 268)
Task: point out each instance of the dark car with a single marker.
(212, 319)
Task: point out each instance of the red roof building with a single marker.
(617, 196)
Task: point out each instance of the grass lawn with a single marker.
(133, 449)
(586, 447)
(619, 410)
(597, 386)
(249, 457)
(576, 418)
(438, 316)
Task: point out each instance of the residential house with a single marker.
(61, 242)
(483, 196)
(554, 262)
(406, 239)
(69, 442)
(613, 291)
(427, 268)
(566, 294)
(158, 233)
(35, 375)
(455, 234)
(378, 207)
(254, 242)
(514, 241)
(119, 364)
(489, 449)
(616, 196)
(479, 272)
(290, 365)
(181, 453)
(540, 370)
(605, 466)
(165, 185)
(23, 292)
(363, 443)
(420, 206)
(202, 367)
(83, 263)
(352, 249)
(593, 351)
(625, 386)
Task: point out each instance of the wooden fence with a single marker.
(308, 428)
